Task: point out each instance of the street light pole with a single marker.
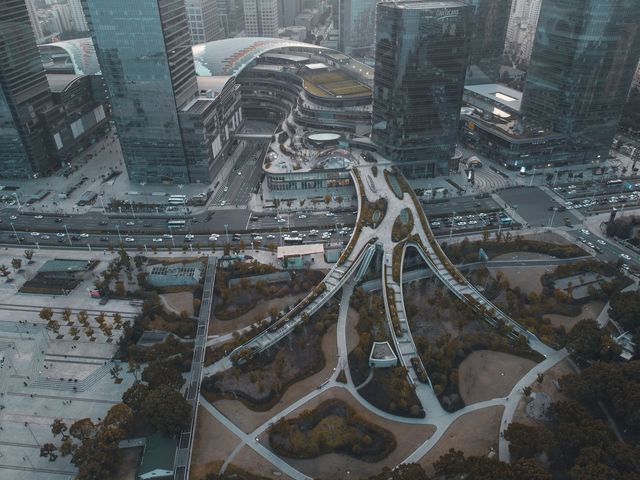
(119, 236)
(173, 242)
(226, 230)
(453, 216)
(15, 233)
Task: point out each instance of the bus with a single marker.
(177, 223)
(614, 183)
(288, 240)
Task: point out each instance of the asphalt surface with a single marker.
(534, 206)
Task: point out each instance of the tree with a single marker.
(136, 396)
(74, 331)
(46, 314)
(167, 410)
(48, 450)
(59, 427)
(327, 199)
(527, 441)
(133, 367)
(83, 429)
(162, 373)
(115, 371)
(587, 342)
(404, 471)
(117, 320)
(53, 325)
(16, 263)
(28, 254)
(66, 315)
(4, 271)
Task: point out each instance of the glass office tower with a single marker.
(144, 50)
(489, 21)
(583, 60)
(421, 53)
(24, 97)
(357, 27)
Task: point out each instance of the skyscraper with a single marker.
(77, 16)
(521, 30)
(144, 50)
(25, 97)
(584, 57)
(261, 18)
(357, 27)
(489, 20)
(33, 18)
(421, 53)
(204, 21)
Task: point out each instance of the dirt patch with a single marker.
(248, 420)
(485, 374)
(548, 237)
(179, 302)
(256, 314)
(475, 433)
(335, 465)
(352, 333)
(205, 452)
(560, 370)
(249, 460)
(526, 278)
(522, 256)
(589, 310)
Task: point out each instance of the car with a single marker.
(38, 217)
(129, 239)
(601, 242)
(58, 220)
(625, 256)
(236, 236)
(146, 224)
(214, 237)
(591, 245)
(225, 189)
(157, 240)
(271, 236)
(84, 235)
(302, 216)
(103, 222)
(239, 172)
(13, 217)
(35, 234)
(330, 214)
(61, 240)
(257, 238)
(313, 233)
(585, 231)
(582, 239)
(45, 237)
(167, 235)
(104, 239)
(75, 238)
(189, 237)
(625, 267)
(223, 203)
(130, 223)
(281, 220)
(60, 235)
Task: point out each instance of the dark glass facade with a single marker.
(421, 53)
(144, 49)
(489, 20)
(357, 27)
(24, 97)
(582, 65)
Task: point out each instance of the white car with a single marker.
(591, 245)
(625, 256)
(157, 240)
(167, 235)
(214, 237)
(131, 223)
(223, 203)
(281, 220)
(129, 239)
(302, 216)
(84, 235)
(585, 231)
(239, 172)
(38, 217)
(313, 233)
(189, 236)
(625, 267)
(326, 236)
(330, 214)
(601, 242)
(13, 217)
(60, 235)
(257, 238)
(271, 236)
(225, 189)
(35, 234)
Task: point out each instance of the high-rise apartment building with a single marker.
(489, 20)
(204, 21)
(34, 20)
(421, 55)
(582, 65)
(144, 50)
(357, 26)
(260, 18)
(521, 30)
(25, 98)
(77, 16)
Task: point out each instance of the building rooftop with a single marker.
(382, 351)
(231, 55)
(510, 98)
(78, 54)
(428, 4)
(299, 250)
(59, 82)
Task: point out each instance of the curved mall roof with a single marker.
(231, 55)
(80, 51)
